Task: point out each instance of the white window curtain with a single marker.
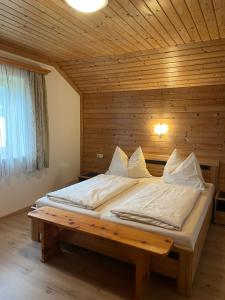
(18, 151)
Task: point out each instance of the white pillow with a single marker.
(173, 162)
(137, 166)
(119, 163)
(187, 172)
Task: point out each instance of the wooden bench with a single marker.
(139, 245)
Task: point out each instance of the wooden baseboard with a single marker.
(25, 209)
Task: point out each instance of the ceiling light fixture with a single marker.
(87, 6)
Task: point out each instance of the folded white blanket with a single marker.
(93, 192)
(160, 204)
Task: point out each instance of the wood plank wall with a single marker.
(195, 115)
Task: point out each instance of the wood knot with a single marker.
(167, 241)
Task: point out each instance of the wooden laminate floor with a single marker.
(88, 276)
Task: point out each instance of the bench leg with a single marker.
(49, 241)
(35, 232)
(142, 272)
(141, 277)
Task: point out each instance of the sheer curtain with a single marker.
(18, 110)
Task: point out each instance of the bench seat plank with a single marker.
(153, 243)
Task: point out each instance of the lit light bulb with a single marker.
(161, 129)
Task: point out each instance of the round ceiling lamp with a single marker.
(87, 6)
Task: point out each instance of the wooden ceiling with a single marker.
(119, 47)
(189, 65)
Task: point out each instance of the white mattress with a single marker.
(186, 238)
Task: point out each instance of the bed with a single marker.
(182, 262)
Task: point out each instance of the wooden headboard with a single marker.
(210, 168)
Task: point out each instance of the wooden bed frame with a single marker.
(181, 264)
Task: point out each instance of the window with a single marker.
(2, 132)
(17, 122)
(24, 139)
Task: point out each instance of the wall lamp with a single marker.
(161, 129)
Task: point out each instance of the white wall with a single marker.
(64, 130)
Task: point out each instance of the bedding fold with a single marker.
(93, 192)
(159, 204)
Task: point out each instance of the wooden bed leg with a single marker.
(35, 232)
(142, 272)
(185, 273)
(49, 241)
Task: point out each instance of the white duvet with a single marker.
(93, 192)
(160, 204)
